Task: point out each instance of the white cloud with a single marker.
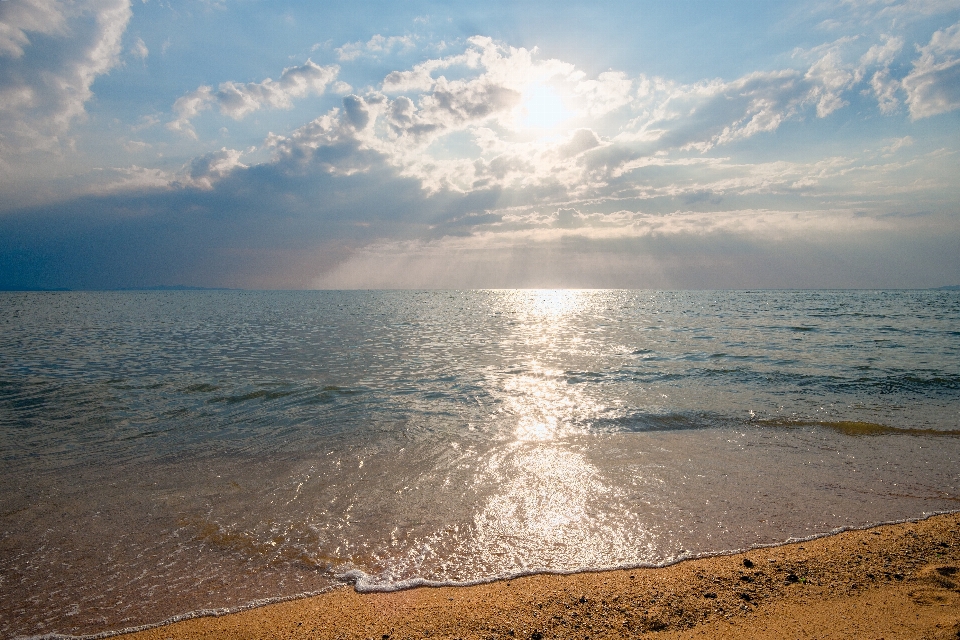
(139, 49)
(463, 133)
(889, 12)
(885, 88)
(341, 88)
(188, 106)
(146, 122)
(202, 172)
(933, 85)
(883, 53)
(706, 114)
(238, 99)
(831, 77)
(376, 45)
(703, 115)
(460, 135)
(416, 79)
(17, 19)
(134, 179)
(43, 91)
(896, 145)
(136, 146)
(610, 91)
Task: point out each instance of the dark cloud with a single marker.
(277, 224)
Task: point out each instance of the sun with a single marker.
(542, 108)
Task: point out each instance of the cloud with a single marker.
(134, 179)
(885, 88)
(933, 85)
(43, 89)
(643, 173)
(610, 91)
(462, 134)
(416, 79)
(859, 14)
(202, 172)
(897, 144)
(581, 140)
(139, 49)
(750, 248)
(276, 224)
(292, 223)
(707, 114)
(376, 45)
(236, 100)
(20, 18)
(882, 53)
(704, 115)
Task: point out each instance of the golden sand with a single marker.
(893, 581)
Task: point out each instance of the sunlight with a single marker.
(542, 108)
(546, 406)
(551, 510)
(556, 302)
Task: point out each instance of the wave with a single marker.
(365, 583)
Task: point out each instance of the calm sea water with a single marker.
(165, 453)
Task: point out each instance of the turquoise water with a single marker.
(171, 452)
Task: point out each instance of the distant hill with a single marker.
(952, 287)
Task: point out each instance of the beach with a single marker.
(891, 581)
(320, 448)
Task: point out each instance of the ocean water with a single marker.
(170, 453)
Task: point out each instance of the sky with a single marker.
(313, 145)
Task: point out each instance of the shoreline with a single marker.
(893, 580)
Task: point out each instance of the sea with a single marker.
(168, 454)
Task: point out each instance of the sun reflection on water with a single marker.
(551, 506)
(553, 303)
(553, 509)
(546, 404)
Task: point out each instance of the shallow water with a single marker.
(167, 452)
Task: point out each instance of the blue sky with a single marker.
(254, 144)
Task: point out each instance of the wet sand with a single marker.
(894, 581)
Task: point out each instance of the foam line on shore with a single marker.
(357, 577)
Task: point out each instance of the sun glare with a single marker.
(542, 108)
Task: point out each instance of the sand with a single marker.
(894, 581)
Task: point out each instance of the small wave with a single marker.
(202, 387)
(254, 395)
(645, 422)
(366, 583)
(189, 615)
(856, 427)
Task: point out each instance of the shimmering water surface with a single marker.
(170, 452)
